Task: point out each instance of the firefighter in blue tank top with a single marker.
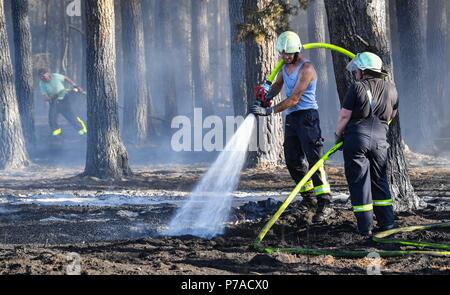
(369, 105)
(303, 145)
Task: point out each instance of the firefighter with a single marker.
(303, 142)
(369, 105)
(53, 88)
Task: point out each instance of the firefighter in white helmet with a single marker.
(370, 103)
(303, 145)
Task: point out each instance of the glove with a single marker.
(260, 111)
(266, 87)
(78, 89)
(267, 95)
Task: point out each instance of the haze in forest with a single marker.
(188, 60)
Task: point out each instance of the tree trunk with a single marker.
(446, 106)
(436, 57)
(225, 71)
(260, 61)
(200, 59)
(361, 26)
(119, 54)
(13, 154)
(47, 31)
(24, 70)
(218, 52)
(135, 83)
(412, 64)
(148, 17)
(394, 45)
(57, 43)
(167, 72)
(7, 8)
(106, 156)
(316, 32)
(238, 79)
(181, 32)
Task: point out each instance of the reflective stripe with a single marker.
(363, 208)
(307, 187)
(387, 202)
(83, 129)
(57, 132)
(322, 189)
(325, 187)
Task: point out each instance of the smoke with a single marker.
(52, 28)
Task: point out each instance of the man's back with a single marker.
(53, 87)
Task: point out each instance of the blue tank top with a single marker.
(308, 100)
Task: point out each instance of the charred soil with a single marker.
(26, 250)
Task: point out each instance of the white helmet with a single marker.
(366, 61)
(289, 42)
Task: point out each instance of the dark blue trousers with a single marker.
(303, 147)
(365, 155)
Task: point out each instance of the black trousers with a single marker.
(64, 108)
(303, 147)
(365, 155)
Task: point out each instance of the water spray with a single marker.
(207, 210)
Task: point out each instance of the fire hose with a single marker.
(378, 238)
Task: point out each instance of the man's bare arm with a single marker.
(344, 117)
(276, 86)
(67, 79)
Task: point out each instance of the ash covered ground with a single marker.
(48, 214)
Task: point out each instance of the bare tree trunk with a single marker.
(57, 43)
(135, 82)
(24, 70)
(200, 59)
(238, 79)
(436, 57)
(47, 29)
(395, 46)
(13, 154)
(316, 32)
(7, 6)
(119, 54)
(167, 72)
(106, 156)
(218, 52)
(361, 26)
(66, 51)
(412, 64)
(182, 29)
(446, 106)
(148, 16)
(225, 72)
(260, 61)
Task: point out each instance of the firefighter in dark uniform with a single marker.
(369, 105)
(303, 143)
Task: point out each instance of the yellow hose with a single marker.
(309, 46)
(329, 46)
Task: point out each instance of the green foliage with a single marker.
(303, 4)
(261, 24)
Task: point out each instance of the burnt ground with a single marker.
(120, 239)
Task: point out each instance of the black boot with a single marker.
(309, 201)
(324, 211)
(308, 207)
